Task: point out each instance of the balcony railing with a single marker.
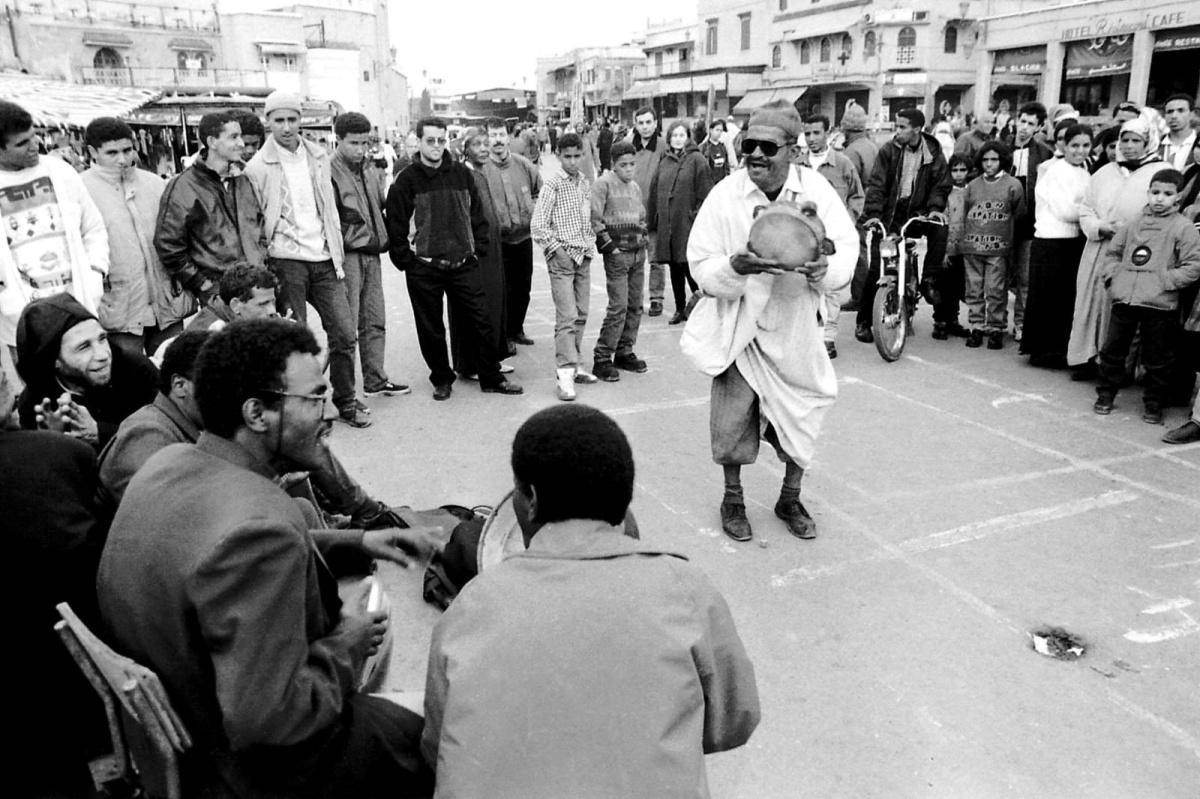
(645, 71)
(157, 77)
(116, 13)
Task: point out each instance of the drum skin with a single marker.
(787, 233)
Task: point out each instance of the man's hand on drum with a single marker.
(401, 546)
(745, 262)
(815, 270)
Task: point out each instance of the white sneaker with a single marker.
(566, 384)
(584, 377)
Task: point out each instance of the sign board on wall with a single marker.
(1020, 61)
(1180, 39)
(1117, 24)
(1107, 55)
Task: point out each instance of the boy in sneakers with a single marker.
(619, 221)
(1148, 262)
(992, 204)
(562, 227)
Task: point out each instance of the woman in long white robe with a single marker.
(1115, 196)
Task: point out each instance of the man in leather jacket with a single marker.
(209, 217)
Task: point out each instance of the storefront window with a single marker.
(1174, 65)
(1097, 73)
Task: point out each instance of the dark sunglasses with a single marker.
(769, 148)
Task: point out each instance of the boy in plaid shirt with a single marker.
(562, 227)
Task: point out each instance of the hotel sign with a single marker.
(1118, 24)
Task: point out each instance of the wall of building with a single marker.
(48, 38)
(243, 31)
(1140, 29)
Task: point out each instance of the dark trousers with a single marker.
(364, 291)
(302, 282)
(148, 342)
(463, 289)
(518, 278)
(947, 308)
(1156, 328)
(371, 750)
(681, 274)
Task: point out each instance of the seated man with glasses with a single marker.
(758, 333)
(210, 577)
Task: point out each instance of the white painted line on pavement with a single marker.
(1178, 603)
(1175, 544)
(1013, 521)
(1075, 419)
(658, 406)
(996, 403)
(1177, 564)
(960, 535)
(1049, 452)
(1172, 731)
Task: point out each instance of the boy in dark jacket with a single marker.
(1148, 262)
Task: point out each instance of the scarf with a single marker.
(650, 144)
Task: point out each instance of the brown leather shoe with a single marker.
(734, 522)
(796, 517)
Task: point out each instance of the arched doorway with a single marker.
(107, 58)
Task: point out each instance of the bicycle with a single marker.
(899, 265)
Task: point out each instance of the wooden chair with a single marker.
(147, 734)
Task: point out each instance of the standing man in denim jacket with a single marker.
(359, 195)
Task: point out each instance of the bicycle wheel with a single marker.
(889, 323)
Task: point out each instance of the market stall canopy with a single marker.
(172, 110)
(757, 98)
(54, 103)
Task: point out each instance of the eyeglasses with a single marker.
(769, 148)
(322, 398)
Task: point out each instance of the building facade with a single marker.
(336, 53)
(885, 55)
(585, 84)
(703, 67)
(1093, 54)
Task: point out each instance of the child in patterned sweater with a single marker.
(992, 203)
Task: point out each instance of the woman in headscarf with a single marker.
(1054, 254)
(1115, 196)
(463, 349)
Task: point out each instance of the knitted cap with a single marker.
(281, 99)
(778, 114)
(855, 117)
(40, 330)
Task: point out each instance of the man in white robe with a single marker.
(758, 332)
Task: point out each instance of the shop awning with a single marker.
(106, 39)
(190, 44)
(1020, 61)
(55, 103)
(756, 98)
(281, 48)
(1107, 55)
(642, 90)
(1177, 39)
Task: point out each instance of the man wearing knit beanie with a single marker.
(757, 331)
(861, 151)
(304, 241)
(75, 382)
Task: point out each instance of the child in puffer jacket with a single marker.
(1148, 262)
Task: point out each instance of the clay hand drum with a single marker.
(790, 234)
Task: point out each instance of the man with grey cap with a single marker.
(758, 330)
(304, 240)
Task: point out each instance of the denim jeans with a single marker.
(570, 287)
(657, 282)
(1158, 357)
(987, 292)
(364, 291)
(624, 272)
(302, 282)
